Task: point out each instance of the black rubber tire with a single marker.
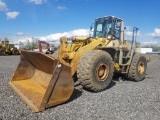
(15, 52)
(51, 52)
(133, 73)
(2, 52)
(10, 53)
(86, 71)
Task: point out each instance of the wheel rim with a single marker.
(141, 68)
(102, 71)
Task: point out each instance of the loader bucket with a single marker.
(42, 81)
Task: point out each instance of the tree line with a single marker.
(31, 45)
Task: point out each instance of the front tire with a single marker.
(138, 67)
(2, 52)
(95, 70)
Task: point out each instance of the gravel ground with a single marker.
(123, 100)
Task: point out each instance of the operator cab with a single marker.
(108, 27)
(5, 43)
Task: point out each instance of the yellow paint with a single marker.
(141, 68)
(29, 86)
(116, 67)
(70, 54)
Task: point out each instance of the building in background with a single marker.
(18, 45)
(145, 50)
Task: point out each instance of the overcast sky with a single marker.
(50, 19)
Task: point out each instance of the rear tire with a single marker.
(138, 67)
(15, 52)
(95, 70)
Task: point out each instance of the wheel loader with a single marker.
(6, 48)
(43, 81)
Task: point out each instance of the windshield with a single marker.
(7, 42)
(103, 27)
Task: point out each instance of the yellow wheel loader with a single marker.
(6, 48)
(43, 81)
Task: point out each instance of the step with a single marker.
(127, 57)
(124, 64)
(123, 72)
